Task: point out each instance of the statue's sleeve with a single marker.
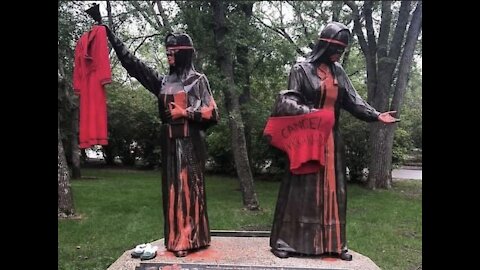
(295, 78)
(146, 75)
(202, 107)
(353, 102)
(289, 102)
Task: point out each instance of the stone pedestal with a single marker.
(238, 253)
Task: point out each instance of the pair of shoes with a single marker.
(149, 253)
(138, 251)
(345, 256)
(180, 253)
(144, 251)
(280, 253)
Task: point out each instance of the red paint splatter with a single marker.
(207, 111)
(205, 253)
(330, 259)
(182, 241)
(171, 267)
(194, 255)
(171, 214)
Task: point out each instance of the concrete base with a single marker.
(237, 253)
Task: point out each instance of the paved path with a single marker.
(407, 174)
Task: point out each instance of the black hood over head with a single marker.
(334, 34)
(184, 56)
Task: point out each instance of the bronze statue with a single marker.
(187, 109)
(311, 208)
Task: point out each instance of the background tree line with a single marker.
(246, 48)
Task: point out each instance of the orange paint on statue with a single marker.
(318, 233)
(337, 222)
(324, 199)
(330, 188)
(180, 98)
(330, 83)
(171, 214)
(182, 241)
(180, 237)
(329, 225)
(203, 253)
(331, 215)
(205, 227)
(197, 212)
(208, 111)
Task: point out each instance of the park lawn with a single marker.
(120, 208)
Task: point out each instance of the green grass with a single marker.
(387, 225)
(122, 208)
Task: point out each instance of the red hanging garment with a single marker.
(90, 75)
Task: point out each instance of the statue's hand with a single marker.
(387, 118)
(177, 111)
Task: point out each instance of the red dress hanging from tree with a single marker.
(90, 75)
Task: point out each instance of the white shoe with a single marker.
(149, 253)
(139, 249)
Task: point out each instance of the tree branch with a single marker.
(407, 58)
(400, 29)
(145, 37)
(357, 26)
(299, 15)
(367, 13)
(154, 14)
(144, 14)
(369, 58)
(281, 15)
(282, 33)
(336, 8)
(322, 13)
(143, 41)
(254, 66)
(164, 17)
(384, 33)
(346, 55)
(355, 72)
(139, 45)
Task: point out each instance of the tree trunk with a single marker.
(379, 170)
(76, 173)
(239, 147)
(401, 84)
(243, 74)
(381, 136)
(65, 206)
(380, 80)
(65, 198)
